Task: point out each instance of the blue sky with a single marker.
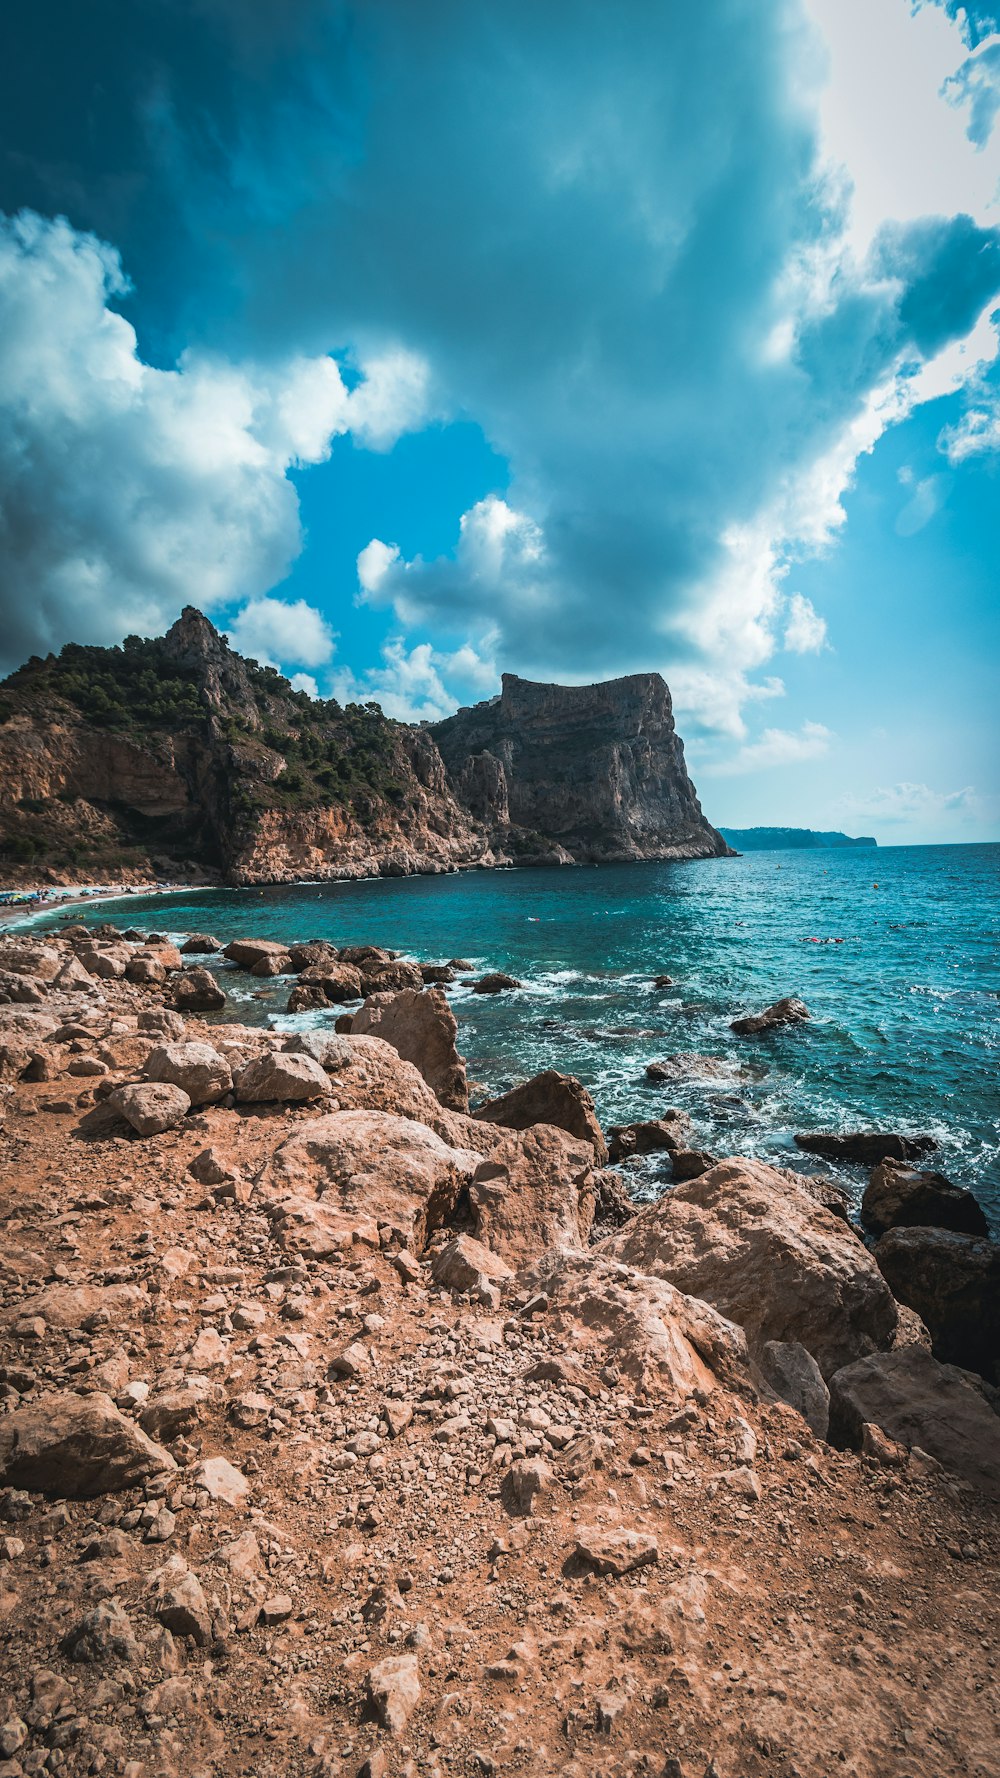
(416, 343)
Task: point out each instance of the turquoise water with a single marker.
(905, 1011)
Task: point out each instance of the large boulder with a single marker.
(336, 982)
(196, 990)
(609, 1314)
(747, 1239)
(248, 953)
(369, 1170)
(281, 1078)
(548, 1098)
(953, 1283)
(796, 1378)
(76, 1446)
(659, 1134)
(367, 1074)
(919, 1402)
(83, 1307)
(204, 1075)
(200, 944)
(391, 977)
(23, 958)
(150, 1106)
(495, 982)
(869, 1147)
(898, 1196)
(421, 1028)
(533, 1189)
(784, 1012)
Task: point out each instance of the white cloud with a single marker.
(305, 682)
(776, 747)
(411, 683)
(916, 803)
(926, 500)
(374, 563)
(805, 630)
(278, 633)
(126, 490)
(976, 434)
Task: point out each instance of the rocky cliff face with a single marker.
(596, 771)
(176, 755)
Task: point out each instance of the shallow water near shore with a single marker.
(905, 1027)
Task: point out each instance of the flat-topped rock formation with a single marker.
(596, 770)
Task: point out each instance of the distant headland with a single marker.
(780, 839)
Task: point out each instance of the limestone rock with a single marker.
(103, 1634)
(180, 1604)
(784, 1012)
(898, 1196)
(796, 1378)
(919, 1402)
(744, 1238)
(248, 953)
(534, 1189)
(466, 1265)
(422, 1029)
(548, 1098)
(220, 1480)
(495, 982)
(393, 1687)
(368, 1167)
(665, 1133)
(197, 990)
(615, 1550)
(282, 1078)
(200, 944)
(953, 1283)
(197, 1068)
(150, 1106)
(76, 1446)
(869, 1147)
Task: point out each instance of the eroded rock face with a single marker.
(76, 1446)
(953, 1283)
(743, 1237)
(919, 1402)
(533, 1189)
(548, 1098)
(597, 771)
(796, 1378)
(421, 1027)
(898, 1196)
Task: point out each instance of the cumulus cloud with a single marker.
(127, 490)
(805, 630)
(776, 747)
(277, 632)
(420, 684)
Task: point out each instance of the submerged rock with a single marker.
(784, 1012)
(867, 1146)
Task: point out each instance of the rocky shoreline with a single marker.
(349, 1431)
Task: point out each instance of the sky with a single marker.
(418, 343)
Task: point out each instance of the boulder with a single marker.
(103, 1634)
(747, 1239)
(532, 1189)
(305, 999)
(867, 1146)
(336, 982)
(150, 1106)
(393, 1689)
(172, 1413)
(180, 1604)
(76, 1446)
(369, 1170)
(161, 1021)
(246, 953)
(145, 967)
(204, 1075)
(313, 951)
(281, 1078)
(796, 1378)
(200, 944)
(367, 1074)
(691, 1163)
(614, 1550)
(467, 1266)
(276, 962)
(495, 983)
(784, 1012)
(609, 1314)
(80, 1306)
(390, 978)
(898, 1196)
(421, 1027)
(953, 1283)
(196, 990)
(655, 1134)
(41, 961)
(548, 1098)
(919, 1402)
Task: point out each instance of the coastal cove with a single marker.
(903, 986)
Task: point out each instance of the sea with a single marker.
(895, 952)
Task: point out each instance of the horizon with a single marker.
(416, 349)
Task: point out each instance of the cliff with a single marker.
(595, 772)
(175, 756)
(791, 839)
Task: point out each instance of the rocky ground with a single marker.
(346, 1433)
